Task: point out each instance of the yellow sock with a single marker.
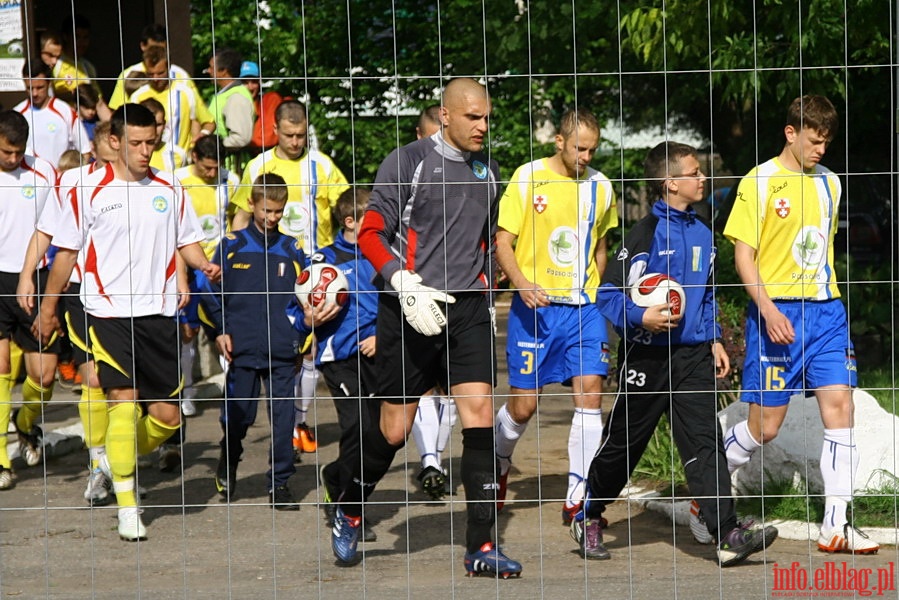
(5, 412)
(15, 362)
(32, 397)
(94, 416)
(120, 448)
(152, 432)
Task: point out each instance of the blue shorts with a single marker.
(821, 355)
(555, 343)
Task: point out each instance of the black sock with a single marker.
(377, 456)
(479, 478)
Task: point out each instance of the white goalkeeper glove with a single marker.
(419, 303)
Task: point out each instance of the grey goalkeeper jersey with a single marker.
(433, 210)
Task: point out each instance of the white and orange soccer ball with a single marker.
(320, 283)
(658, 288)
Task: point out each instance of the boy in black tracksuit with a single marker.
(246, 313)
(667, 363)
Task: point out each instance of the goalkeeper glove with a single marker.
(419, 303)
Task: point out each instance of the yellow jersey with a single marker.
(210, 202)
(790, 219)
(314, 183)
(558, 222)
(67, 77)
(182, 105)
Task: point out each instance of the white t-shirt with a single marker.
(128, 233)
(25, 193)
(53, 129)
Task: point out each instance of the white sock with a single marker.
(506, 437)
(739, 445)
(425, 428)
(447, 416)
(307, 381)
(583, 443)
(187, 364)
(95, 453)
(839, 464)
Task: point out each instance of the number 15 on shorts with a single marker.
(774, 380)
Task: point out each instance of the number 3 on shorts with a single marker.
(774, 380)
(528, 367)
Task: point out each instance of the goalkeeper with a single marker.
(429, 231)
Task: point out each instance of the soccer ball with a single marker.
(320, 283)
(658, 288)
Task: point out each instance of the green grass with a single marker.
(875, 506)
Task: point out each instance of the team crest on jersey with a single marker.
(540, 202)
(782, 207)
(563, 246)
(51, 127)
(479, 169)
(160, 204)
(28, 191)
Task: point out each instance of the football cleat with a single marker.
(30, 444)
(698, 527)
(226, 476)
(741, 542)
(188, 408)
(282, 498)
(588, 535)
(304, 439)
(131, 528)
(7, 479)
(433, 482)
(490, 560)
(99, 488)
(849, 540)
(345, 537)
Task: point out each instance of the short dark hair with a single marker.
(577, 117)
(662, 162)
(131, 114)
(351, 203)
(154, 32)
(269, 186)
(229, 60)
(291, 111)
(429, 116)
(816, 113)
(14, 128)
(155, 107)
(210, 146)
(102, 130)
(86, 96)
(73, 22)
(155, 55)
(36, 68)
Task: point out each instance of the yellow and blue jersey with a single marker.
(558, 222)
(790, 219)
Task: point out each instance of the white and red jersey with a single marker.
(53, 129)
(23, 194)
(48, 222)
(128, 234)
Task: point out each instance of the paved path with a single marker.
(53, 546)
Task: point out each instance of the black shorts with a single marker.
(409, 363)
(142, 353)
(76, 324)
(15, 323)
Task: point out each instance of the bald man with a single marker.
(429, 232)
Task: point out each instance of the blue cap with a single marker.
(249, 69)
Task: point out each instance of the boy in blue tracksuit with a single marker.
(345, 346)
(246, 315)
(667, 363)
